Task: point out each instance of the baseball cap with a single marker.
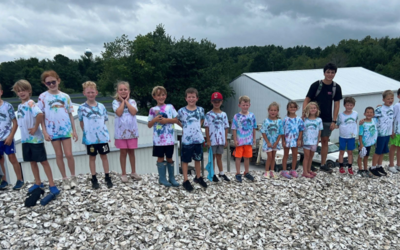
(216, 96)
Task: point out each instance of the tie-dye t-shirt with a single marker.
(369, 133)
(292, 128)
(94, 128)
(191, 122)
(6, 116)
(385, 120)
(26, 118)
(311, 131)
(216, 123)
(396, 117)
(244, 125)
(56, 109)
(125, 126)
(272, 129)
(347, 125)
(163, 134)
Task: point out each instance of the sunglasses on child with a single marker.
(51, 83)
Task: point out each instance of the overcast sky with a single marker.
(41, 28)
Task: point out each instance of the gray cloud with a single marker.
(44, 28)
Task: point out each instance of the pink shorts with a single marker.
(126, 143)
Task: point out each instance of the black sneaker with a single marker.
(249, 177)
(215, 178)
(360, 172)
(108, 181)
(200, 181)
(375, 172)
(381, 171)
(95, 183)
(326, 169)
(187, 186)
(224, 177)
(314, 169)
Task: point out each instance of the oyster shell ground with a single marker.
(328, 212)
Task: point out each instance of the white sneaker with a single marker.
(398, 168)
(65, 184)
(393, 170)
(73, 182)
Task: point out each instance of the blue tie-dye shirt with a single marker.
(7, 115)
(292, 128)
(191, 122)
(272, 129)
(244, 125)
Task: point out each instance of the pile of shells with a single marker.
(328, 212)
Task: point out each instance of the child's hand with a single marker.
(47, 137)
(392, 136)
(299, 142)
(275, 145)
(209, 144)
(75, 136)
(270, 145)
(226, 144)
(361, 121)
(32, 131)
(158, 118)
(236, 143)
(8, 141)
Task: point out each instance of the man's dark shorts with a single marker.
(327, 129)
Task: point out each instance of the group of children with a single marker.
(54, 113)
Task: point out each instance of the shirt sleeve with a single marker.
(40, 103)
(378, 111)
(205, 124)
(202, 116)
(180, 115)
(115, 105)
(312, 90)
(11, 112)
(105, 113)
(254, 121)
(80, 115)
(151, 115)
(338, 94)
(338, 122)
(234, 123)
(34, 108)
(226, 122)
(70, 106)
(361, 130)
(133, 103)
(263, 129)
(320, 125)
(173, 112)
(280, 127)
(301, 125)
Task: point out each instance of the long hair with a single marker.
(307, 109)
(274, 104)
(290, 103)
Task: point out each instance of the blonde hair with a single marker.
(274, 104)
(22, 85)
(158, 89)
(244, 98)
(89, 84)
(307, 109)
(387, 93)
(116, 88)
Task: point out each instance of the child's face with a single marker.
(244, 106)
(51, 83)
(160, 97)
(123, 91)
(23, 94)
(388, 100)
(90, 93)
(292, 109)
(329, 74)
(1, 92)
(349, 106)
(273, 112)
(313, 110)
(216, 104)
(369, 114)
(191, 99)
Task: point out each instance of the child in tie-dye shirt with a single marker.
(162, 118)
(125, 128)
(244, 134)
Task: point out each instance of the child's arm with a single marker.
(131, 108)
(277, 141)
(158, 118)
(208, 137)
(45, 134)
(234, 137)
(300, 139)
(74, 134)
(120, 110)
(39, 119)
(168, 120)
(254, 137)
(360, 142)
(10, 138)
(266, 140)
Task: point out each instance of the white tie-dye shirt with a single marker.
(26, 118)
(6, 116)
(163, 134)
(311, 131)
(125, 126)
(347, 125)
(94, 128)
(385, 120)
(216, 123)
(191, 122)
(396, 118)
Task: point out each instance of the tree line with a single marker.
(157, 59)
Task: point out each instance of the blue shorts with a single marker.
(382, 145)
(350, 142)
(192, 151)
(8, 149)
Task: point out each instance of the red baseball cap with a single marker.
(216, 96)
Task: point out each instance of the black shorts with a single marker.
(192, 151)
(101, 148)
(35, 152)
(160, 151)
(368, 150)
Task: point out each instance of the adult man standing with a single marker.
(324, 92)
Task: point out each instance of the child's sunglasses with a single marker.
(51, 83)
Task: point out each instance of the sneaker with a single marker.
(54, 190)
(124, 178)
(249, 177)
(393, 170)
(365, 174)
(266, 175)
(73, 182)
(109, 182)
(272, 175)
(381, 171)
(342, 171)
(285, 174)
(238, 178)
(65, 184)
(215, 178)
(326, 169)
(224, 177)
(200, 181)
(3, 185)
(30, 190)
(350, 171)
(360, 172)
(369, 174)
(95, 183)
(398, 168)
(293, 173)
(375, 172)
(135, 177)
(187, 186)
(18, 185)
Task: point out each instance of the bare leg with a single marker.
(237, 163)
(272, 167)
(92, 164)
(246, 165)
(375, 159)
(132, 159)
(350, 156)
(122, 158)
(106, 167)
(305, 161)
(380, 159)
(294, 158)
(67, 146)
(219, 162)
(197, 167)
(268, 163)
(285, 158)
(324, 149)
(3, 168)
(47, 171)
(360, 162)
(161, 159)
(59, 157)
(366, 163)
(398, 156)
(17, 168)
(185, 170)
(35, 171)
(311, 156)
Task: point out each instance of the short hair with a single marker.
(192, 91)
(307, 109)
(290, 103)
(159, 89)
(371, 108)
(349, 99)
(244, 98)
(387, 93)
(116, 88)
(330, 66)
(89, 84)
(22, 85)
(48, 73)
